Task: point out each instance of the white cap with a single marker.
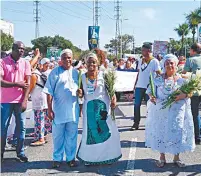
(44, 60)
(66, 51)
(52, 59)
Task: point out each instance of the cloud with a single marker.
(149, 13)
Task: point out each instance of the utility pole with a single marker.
(117, 9)
(96, 12)
(133, 44)
(93, 12)
(36, 18)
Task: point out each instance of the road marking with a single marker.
(131, 162)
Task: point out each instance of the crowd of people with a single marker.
(60, 97)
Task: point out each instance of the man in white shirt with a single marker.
(63, 109)
(149, 66)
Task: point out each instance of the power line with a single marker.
(85, 5)
(69, 9)
(105, 9)
(49, 28)
(64, 12)
(49, 25)
(66, 1)
(108, 14)
(17, 11)
(55, 20)
(21, 2)
(23, 21)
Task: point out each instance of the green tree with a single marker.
(174, 46)
(6, 41)
(57, 41)
(126, 42)
(182, 31)
(193, 19)
(138, 50)
(27, 50)
(42, 43)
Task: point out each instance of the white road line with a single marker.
(131, 162)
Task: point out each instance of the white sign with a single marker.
(199, 33)
(125, 81)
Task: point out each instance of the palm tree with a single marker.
(182, 31)
(193, 19)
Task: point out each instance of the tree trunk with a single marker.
(193, 32)
(182, 44)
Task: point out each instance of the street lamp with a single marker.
(121, 37)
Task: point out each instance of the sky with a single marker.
(146, 20)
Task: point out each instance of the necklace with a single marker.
(93, 79)
(169, 83)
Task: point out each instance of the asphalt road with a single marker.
(137, 160)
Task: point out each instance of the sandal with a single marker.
(72, 163)
(56, 164)
(160, 163)
(179, 163)
(37, 143)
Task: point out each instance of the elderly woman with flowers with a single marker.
(169, 129)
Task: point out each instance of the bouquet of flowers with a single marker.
(109, 79)
(193, 84)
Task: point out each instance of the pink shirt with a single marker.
(13, 71)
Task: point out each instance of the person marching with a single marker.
(169, 129)
(100, 142)
(63, 109)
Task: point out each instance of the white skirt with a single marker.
(170, 130)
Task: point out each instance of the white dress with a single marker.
(100, 142)
(169, 130)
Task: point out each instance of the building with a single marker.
(7, 27)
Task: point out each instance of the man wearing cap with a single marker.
(148, 66)
(192, 65)
(63, 109)
(15, 80)
(39, 104)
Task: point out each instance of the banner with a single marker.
(93, 37)
(160, 47)
(125, 81)
(199, 33)
(53, 52)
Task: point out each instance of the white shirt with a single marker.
(62, 85)
(144, 72)
(39, 98)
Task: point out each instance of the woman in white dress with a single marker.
(100, 142)
(169, 130)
